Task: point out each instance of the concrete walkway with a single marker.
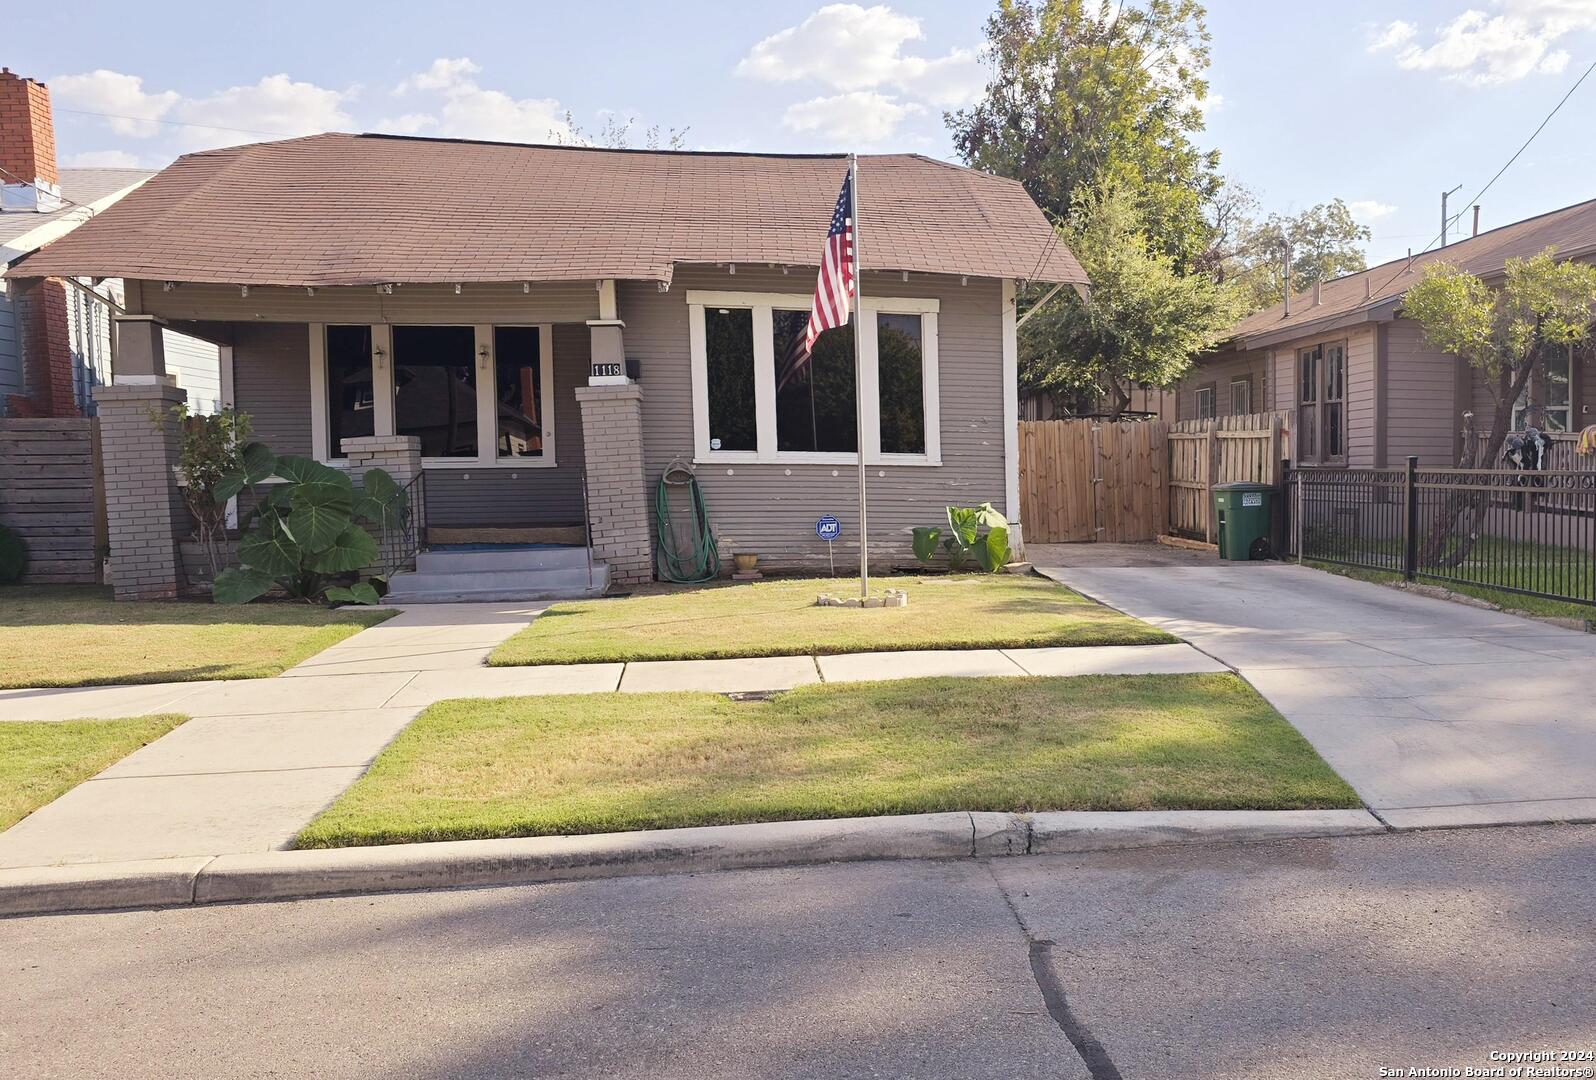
(1436, 712)
(261, 757)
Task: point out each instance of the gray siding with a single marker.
(197, 367)
(10, 348)
(770, 509)
(1422, 414)
(1218, 371)
(271, 382)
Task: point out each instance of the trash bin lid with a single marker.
(1244, 485)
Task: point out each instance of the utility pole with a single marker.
(1445, 221)
(1286, 273)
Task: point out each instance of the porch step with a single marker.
(489, 585)
(467, 560)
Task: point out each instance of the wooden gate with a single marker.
(1090, 480)
(51, 494)
(1203, 453)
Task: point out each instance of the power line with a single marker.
(1481, 193)
(40, 190)
(176, 123)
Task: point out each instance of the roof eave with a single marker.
(1379, 311)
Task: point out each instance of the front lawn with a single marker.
(779, 618)
(41, 761)
(78, 636)
(604, 762)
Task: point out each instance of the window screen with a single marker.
(435, 388)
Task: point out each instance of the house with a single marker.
(1360, 383)
(538, 332)
(55, 335)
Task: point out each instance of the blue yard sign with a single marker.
(828, 528)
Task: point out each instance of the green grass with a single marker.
(1507, 601)
(41, 761)
(79, 636)
(779, 618)
(597, 763)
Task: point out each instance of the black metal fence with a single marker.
(403, 528)
(1532, 533)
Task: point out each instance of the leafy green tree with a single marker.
(1141, 322)
(1326, 242)
(1543, 308)
(1082, 93)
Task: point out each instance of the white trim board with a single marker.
(762, 305)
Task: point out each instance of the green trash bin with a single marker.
(1242, 517)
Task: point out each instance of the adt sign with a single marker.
(828, 528)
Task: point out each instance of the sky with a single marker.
(1385, 104)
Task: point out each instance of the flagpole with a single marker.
(858, 378)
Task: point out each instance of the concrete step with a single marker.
(532, 558)
(497, 585)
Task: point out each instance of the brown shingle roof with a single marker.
(1571, 230)
(357, 209)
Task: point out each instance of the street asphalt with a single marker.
(1298, 959)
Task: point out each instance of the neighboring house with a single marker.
(1146, 403)
(55, 335)
(1360, 383)
(539, 319)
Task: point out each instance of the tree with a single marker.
(1142, 321)
(616, 134)
(1544, 306)
(1326, 242)
(1084, 92)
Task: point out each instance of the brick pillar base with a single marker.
(612, 441)
(143, 506)
(400, 457)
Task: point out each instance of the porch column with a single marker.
(140, 442)
(612, 438)
(400, 457)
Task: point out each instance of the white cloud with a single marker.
(862, 116)
(103, 159)
(1367, 210)
(116, 95)
(1484, 48)
(468, 111)
(275, 107)
(850, 48)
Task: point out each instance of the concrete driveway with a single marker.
(1436, 712)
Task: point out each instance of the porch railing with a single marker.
(404, 528)
(1531, 533)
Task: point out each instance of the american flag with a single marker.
(833, 290)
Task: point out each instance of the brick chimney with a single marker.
(29, 181)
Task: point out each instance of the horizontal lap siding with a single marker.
(197, 368)
(770, 509)
(1360, 395)
(271, 382)
(47, 496)
(524, 497)
(1421, 386)
(1219, 369)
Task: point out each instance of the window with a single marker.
(901, 375)
(729, 344)
(753, 400)
(1321, 403)
(435, 388)
(1546, 401)
(1205, 402)
(522, 426)
(815, 403)
(351, 401)
(1241, 396)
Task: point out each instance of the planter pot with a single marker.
(745, 563)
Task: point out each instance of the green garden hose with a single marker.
(703, 561)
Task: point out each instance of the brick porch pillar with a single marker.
(144, 508)
(400, 457)
(612, 440)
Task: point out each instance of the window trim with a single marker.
(763, 304)
(1322, 399)
(1241, 380)
(1212, 390)
(383, 423)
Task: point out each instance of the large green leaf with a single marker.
(380, 484)
(993, 550)
(350, 550)
(302, 470)
(240, 586)
(271, 550)
(259, 462)
(988, 516)
(358, 593)
(965, 523)
(925, 542)
(319, 513)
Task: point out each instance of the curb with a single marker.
(286, 875)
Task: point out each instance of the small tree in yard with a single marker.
(1543, 307)
(212, 447)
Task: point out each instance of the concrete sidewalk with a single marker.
(1437, 713)
(261, 757)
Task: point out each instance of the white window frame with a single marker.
(763, 305)
(1245, 382)
(383, 422)
(1197, 401)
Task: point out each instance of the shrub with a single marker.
(13, 556)
(977, 532)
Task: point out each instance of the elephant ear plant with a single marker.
(305, 529)
(973, 532)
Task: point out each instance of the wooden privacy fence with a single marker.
(52, 495)
(1090, 480)
(1203, 453)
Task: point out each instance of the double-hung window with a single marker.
(1547, 401)
(473, 395)
(1204, 401)
(1241, 395)
(1322, 403)
(756, 398)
